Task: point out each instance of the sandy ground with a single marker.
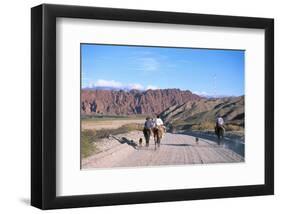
(175, 149)
(108, 124)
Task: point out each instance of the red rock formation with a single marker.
(121, 102)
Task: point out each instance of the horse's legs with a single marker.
(158, 140)
(160, 135)
(218, 135)
(219, 139)
(222, 133)
(155, 138)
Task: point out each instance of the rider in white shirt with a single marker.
(159, 121)
(220, 121)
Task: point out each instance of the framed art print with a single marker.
(134, 106)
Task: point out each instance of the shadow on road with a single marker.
(174, 144)
(127, 141)
(195, 145)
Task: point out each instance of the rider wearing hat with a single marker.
(148, 125)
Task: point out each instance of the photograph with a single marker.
(144, 106)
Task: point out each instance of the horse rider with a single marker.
(159, 121)
(220, 123)
(148, 125)
(160, 125)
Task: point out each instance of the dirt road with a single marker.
(175, 149)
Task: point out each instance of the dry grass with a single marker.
(89, 137)
(87, 147)
(105, 123)
(232, 127)
(203, 126)
(208, 125)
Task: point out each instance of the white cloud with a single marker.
(108, 83)
(116, 85)
(135, 86)
(208, 95)
(152, 87)
(201, 93)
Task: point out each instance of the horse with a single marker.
(219, 131)
(158, 132)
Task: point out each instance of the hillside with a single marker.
(121, 102)
(201, 114)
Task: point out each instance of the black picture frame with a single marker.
(43, 106)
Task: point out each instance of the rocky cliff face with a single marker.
(121, 102)
(206, 110)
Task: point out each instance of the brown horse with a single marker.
(158, 132)
(219, 131)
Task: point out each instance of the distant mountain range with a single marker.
(179, 109)
(128, 102)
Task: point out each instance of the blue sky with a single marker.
(202, 71)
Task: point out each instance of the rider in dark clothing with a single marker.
(219, 128)
(147, 129)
